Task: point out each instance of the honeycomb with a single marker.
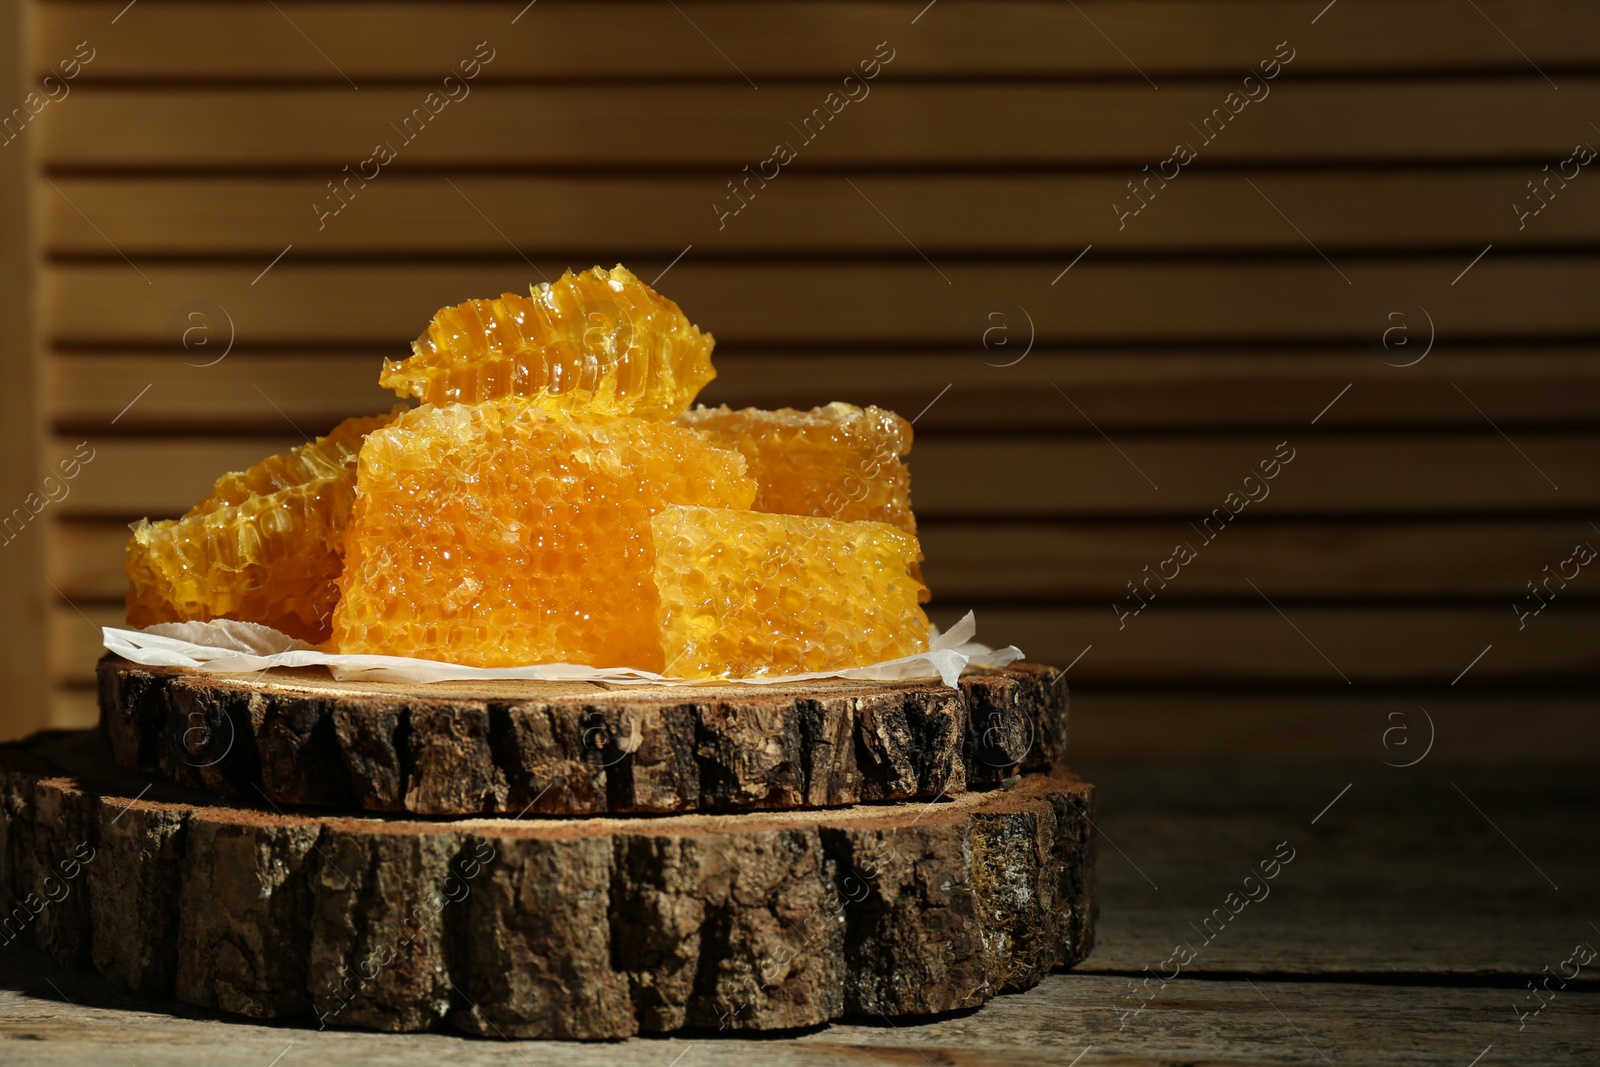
(265, 545)
(837, 462)
(744, 593)
(509, 533)
(601, 342)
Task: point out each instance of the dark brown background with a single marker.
(1175, 354)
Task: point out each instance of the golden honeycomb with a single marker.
(743, 593)
(601, 342)
(265, 545)
(837, 462)
(509, 533)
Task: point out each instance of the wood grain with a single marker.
(585, 929)
(560, 748)
(902, 123)
(187, 40)
(637, 217)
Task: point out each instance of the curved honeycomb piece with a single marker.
(836, 462)
(743, 593)
(265, 545)
(507, 533)
(601, 341)
(320, 459)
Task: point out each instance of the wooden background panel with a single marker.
(901, 124)
(718, 39)
(1195, 335)
(1034, 476)
(888, 304)
(646, 217)
(1192, 390)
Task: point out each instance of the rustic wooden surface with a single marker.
(549, 928)
(1194, 336)
(1404, 932)
(579, 748)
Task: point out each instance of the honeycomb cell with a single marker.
(508, 533)
(837, 462)
(600, 342)
(265, 545)
(743, 593)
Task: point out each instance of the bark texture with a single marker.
(562, 748)
(559, 928)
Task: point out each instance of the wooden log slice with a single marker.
(578, 748)
(584, 928)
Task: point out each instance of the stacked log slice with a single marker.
(729, 857)
(579, 748)
(583, 928)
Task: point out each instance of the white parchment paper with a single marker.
(238, 647)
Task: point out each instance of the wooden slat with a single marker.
(185, 392)
(21, 598)
(899, 124)
(1035, 476)
(415, 215)
(1091, 561)
(72, 708)
(1144, 728)
(179, 40)
(1196, 645)
(856, 305)
(1200, 646)
(1168, 390)
(75, 641)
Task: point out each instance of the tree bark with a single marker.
(562, 748)
(559, 928)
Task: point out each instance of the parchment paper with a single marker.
(240, 647)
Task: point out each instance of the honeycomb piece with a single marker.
(601, 341)
(319, 459)
(265, 545)
(837, 462)
(507, 533)
(745, 593)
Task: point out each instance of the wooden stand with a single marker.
(578, 748)
(561, 928)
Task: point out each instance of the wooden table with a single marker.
(1417, 907)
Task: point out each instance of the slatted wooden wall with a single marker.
(1092, 383)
